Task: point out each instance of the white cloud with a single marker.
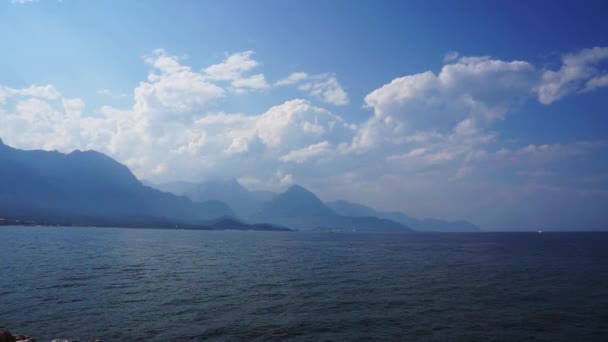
(579, 72)
(299, 123)
(233, 70)
(292, 79)
(73, 108)
(443, 122)
(327, 88)
(459, 103)
(173, 87)
(252, 82)
(424, 120)
(597, 82)
(423, 129)
(47, 92)
(324, 87)
(232, 67)
(238, 145)
(301, 155)
(284, 178)
(157, 146)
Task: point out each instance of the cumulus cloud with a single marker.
(232, 67)
(166, 135)
(173, 87)
(301, 155)
(421, 120)
(49, 124)
(292, 79)
(324, 87)
(233, 70)
(252, 82)
(422, 128)
(579, 72)
(444, 121)
(457, 105)
(298, 122)
(45, 92)
(73, 108)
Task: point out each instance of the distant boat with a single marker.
(540, 232)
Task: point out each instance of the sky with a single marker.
(491, 111)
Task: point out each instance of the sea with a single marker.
(185, 285)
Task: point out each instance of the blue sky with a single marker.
(492, 111)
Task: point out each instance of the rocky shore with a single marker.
(6, 336)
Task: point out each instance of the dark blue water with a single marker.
(162, 285)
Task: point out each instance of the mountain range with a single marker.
(300, 208)
(89, 187)
(296, 208)
(43, 184)
(244, 202)
(428, 224)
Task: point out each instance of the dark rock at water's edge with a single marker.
(70, 340)
(6, 336)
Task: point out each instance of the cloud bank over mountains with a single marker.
(427, 133)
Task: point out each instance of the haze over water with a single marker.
(165, 285)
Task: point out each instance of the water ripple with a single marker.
(155, 285)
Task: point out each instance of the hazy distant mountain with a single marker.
(177, 188)
(244, 202)
(297, 201)
(230, 191)
(87, 183)
(428, 224)
(351, 209)
(263, 196)
(300, 208)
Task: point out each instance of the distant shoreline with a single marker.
(222, 224)
(276, 229)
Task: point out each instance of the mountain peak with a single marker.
(299, 193)
(298, 189)
(89, 153)
(300, 208)
(89, 183)
(296, 201)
